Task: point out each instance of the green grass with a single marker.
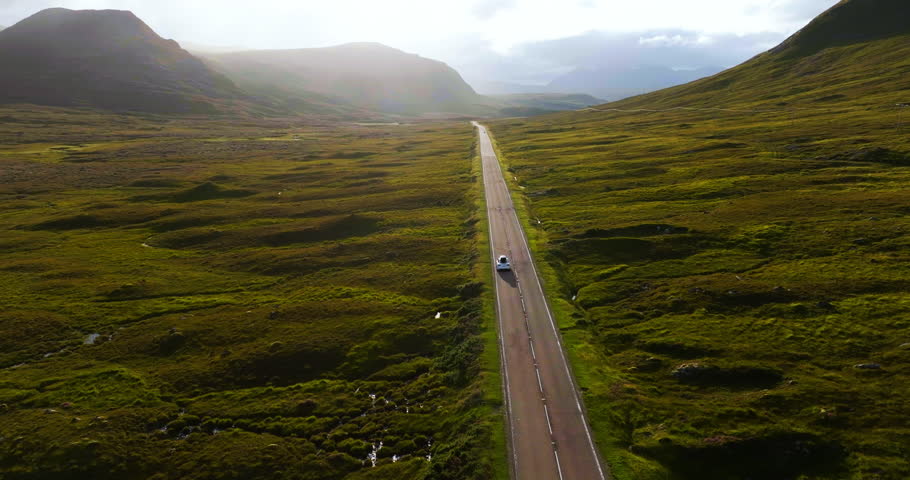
(718, 276)
(250, 295)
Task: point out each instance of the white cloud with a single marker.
(487, 9)
(693, 40)
(664, 41)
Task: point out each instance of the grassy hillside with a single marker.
(108, 59)
(368, 76)
(733, 284)
(234, 300)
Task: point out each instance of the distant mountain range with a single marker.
(616, 83)
(495, 88)
(111, 59)
(366, 75)
(606, 82)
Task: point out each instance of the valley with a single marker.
(321, 257)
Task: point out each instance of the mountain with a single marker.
(199, 49)
(104, 58)
(847, 23)
(858, 50)
(494, 88)
(616, 83)
(366, 75)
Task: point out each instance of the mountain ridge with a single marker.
(366, 74)
(118, 63)
(112, 60)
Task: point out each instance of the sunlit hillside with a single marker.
(368, 75)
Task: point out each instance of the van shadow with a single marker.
(509, 277)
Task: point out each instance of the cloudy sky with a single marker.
(526, 41)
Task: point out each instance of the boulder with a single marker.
(868, 366)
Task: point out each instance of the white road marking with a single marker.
(547, 413)
(558, 466)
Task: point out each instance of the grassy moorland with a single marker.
(241, 299)
(733, 286)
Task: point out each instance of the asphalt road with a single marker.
(549, 438)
